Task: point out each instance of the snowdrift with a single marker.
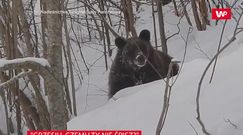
(140, 107)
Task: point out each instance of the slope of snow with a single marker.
(201, 44)
(139, 107)
(221, 101)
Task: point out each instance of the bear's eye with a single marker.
(124, 52)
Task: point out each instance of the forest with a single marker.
(56, 55)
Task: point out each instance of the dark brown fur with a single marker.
(124, 73)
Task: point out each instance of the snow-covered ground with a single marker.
(139, 107)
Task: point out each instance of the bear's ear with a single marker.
(144, 35)
(120, 42)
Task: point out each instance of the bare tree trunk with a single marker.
(55, 88)
(104, 29)
(43, 27)
(25, 27)
(44, 120)
(161, 26)
(2, 94)
(12, 53)
(31, 117)
(129, 18)
(175, 7)
(42, 109)
(154, 22)
(108, 39)
(17, 106)
(204, 13)
(15, 86)
(69, 56)
(36, 52)
(104, 43)
(196, 16)
(186, 13)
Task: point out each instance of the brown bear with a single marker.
(137, 62)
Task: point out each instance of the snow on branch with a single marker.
(24, 63)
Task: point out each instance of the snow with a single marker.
(139, 107)
(92, 92)
(43, 62)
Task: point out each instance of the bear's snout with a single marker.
(140, 60)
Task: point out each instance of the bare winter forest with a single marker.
(50, 50)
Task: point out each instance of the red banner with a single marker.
(84, 132)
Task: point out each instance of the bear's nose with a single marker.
(140, 60)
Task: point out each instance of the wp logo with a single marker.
(221, 13)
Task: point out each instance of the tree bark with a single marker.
(25, 27)
(196, 16)
(186, 13)
(161, 26)
(204, 13)
(154, 25)
(129, 19)
(54, 83)
(69, 62)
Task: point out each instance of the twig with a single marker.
(102, 18)
(166, 102)
(177, 31)
(193, 127)
(201, 50)
(79, 47)
(220, 41)
(14, 79)
(231, 123)
(185, 52)
(168, 91)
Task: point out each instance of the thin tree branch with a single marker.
(102, 18)
(190, 29)
(220, 41)
(177, 31)
(14, 79)
(193, 127)
(166, 102)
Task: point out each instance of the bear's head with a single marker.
(137, 62)
(135, 51)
